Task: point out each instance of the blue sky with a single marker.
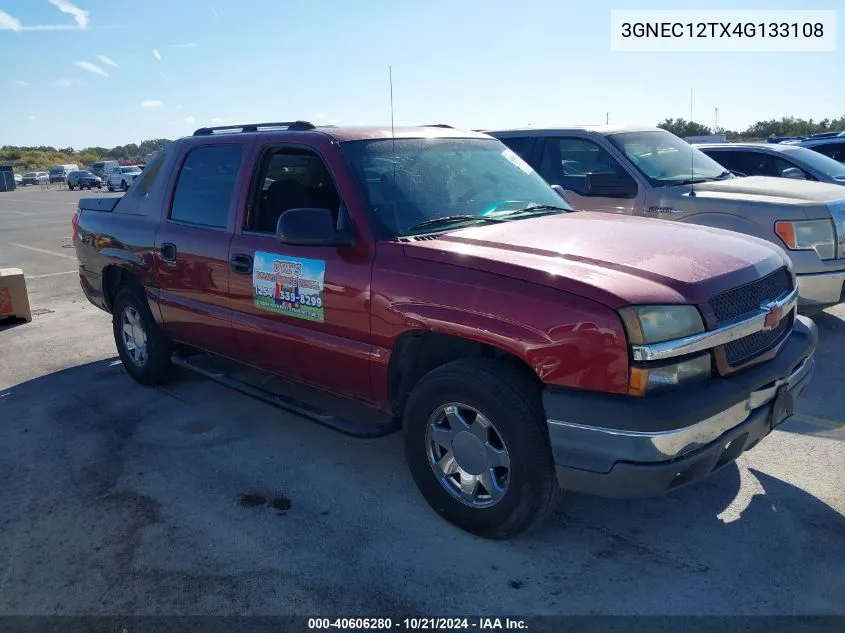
(468, 63)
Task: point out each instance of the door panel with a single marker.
(333, 354)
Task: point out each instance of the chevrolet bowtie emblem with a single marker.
(774, 314)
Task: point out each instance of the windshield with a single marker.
(130, 170)
(57, 170)
(817, 162)
(411, 182)
(29, 174)
(665, 159)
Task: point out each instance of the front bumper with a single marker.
(619, 446)
(821, 290)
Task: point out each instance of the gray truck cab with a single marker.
(649, 172)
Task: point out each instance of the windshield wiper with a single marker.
(725, 175)
(694, 181)
(452, 219)
(531, 209)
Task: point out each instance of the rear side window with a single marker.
(835, 150)
(206, 183)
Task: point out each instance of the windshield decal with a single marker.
(289, 285)
(516, 160)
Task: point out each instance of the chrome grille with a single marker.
(746, 300)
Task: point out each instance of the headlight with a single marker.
(655, 324)
(816, 235)
(652, 379)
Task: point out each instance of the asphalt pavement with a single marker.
(193, 499)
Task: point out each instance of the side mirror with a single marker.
(610, 185)
(312, 227)
(793, 172)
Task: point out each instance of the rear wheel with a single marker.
(70, 186)
(124, 185)
(110, 188)
(142, 346)
(478, 449)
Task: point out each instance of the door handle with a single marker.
(241, 264)
(168, 252)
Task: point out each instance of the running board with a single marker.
(352, 428)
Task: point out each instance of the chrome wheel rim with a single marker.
(468, 455)
(133, 335)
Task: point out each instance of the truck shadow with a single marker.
(741, 538)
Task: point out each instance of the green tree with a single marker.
(682, 127)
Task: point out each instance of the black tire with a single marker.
(70, 186)
(157, 367)
(124, 185)
(512, 402)
(110, 188)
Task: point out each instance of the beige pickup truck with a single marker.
(649, 172)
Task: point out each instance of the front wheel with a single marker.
(478, 449)
(143, 348)
(110, 188)
(124, 185)
(70, 186)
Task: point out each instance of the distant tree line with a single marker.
(760, 131)
(41, 157)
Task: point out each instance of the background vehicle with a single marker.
(433, 276)
(18, 178)
(831, 146)
(645, 171)
(122, 177)
(83, 179)
(58, 173)
(35, 178)
(778, 160)
(103, 167)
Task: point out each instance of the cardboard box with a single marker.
(14, 301)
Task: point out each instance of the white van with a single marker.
(103, 167)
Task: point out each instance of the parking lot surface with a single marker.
(194, 499)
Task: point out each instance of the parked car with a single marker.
(433, 276)
(18, 179)
(122, 177)
(35, 178)
(103, 167)
(779, 160)
(83, 179)
(58, 173)
(649, 172)
(831, 146)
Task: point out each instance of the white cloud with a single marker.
(185, 45)
(21, 82)
(81, 16)
(31, 118)
(66, 83)
(190, 120)
(151, 103)
(9, 23)
(92, 68)
(217, 120)
(156, 54)
(215, 14)
(108, 61)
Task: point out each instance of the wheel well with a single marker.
(115, 278)
(417, 353)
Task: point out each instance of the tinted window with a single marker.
(567, 161)
(144, 182)
(521, 146)
(290, 179)
(835, 150)
(206, 184)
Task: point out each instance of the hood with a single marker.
(777, 190)
(615, 260)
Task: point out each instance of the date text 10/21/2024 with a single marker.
(417, 624)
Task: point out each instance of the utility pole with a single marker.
(607, 118)
(716, 120)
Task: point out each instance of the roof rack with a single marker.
(826, 135)
(438, 125)
(292, 126)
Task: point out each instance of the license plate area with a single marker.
(783, 406)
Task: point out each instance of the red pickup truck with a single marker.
(433, 276)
